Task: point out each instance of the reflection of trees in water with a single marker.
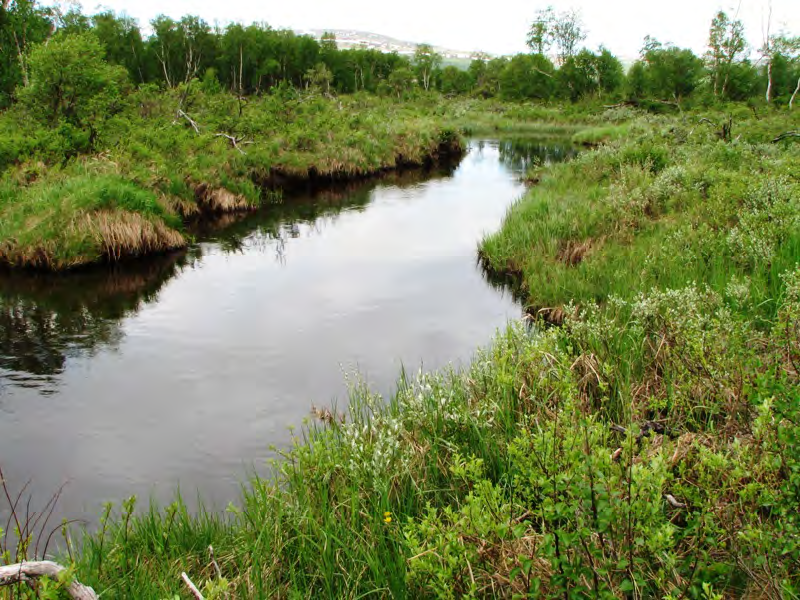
(47, 318)
(271, 227)
(520, 154)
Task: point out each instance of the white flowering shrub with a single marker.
(684, 352)
(769, 214)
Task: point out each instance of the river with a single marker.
(181, 371)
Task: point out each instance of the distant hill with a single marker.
(351, 38)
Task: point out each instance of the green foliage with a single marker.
(122, 40)
(72, 85)
(453, 80)
(401, 82)
(665, 72)
(564, 30)
(648, 445)
(284, 138)
(253, 59)
(22, 24)
(527, 77)
(726, 41)
(84, 219)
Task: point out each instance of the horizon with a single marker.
(502, 32)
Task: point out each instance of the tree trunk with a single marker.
(769, 81)
(162, 60)
(794, 95)
(241, 76)
(716, 76)
(138, 64)
(727, 76)
(21, 57)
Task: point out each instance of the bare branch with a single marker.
(673, 502)
(234, 141)
(192, 122)
(214, 562)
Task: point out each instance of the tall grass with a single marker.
(662, 208)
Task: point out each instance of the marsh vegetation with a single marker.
(636, 436)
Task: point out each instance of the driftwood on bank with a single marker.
(196, 593)
(27, 571)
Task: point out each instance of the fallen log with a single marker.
(786, 135)
(634, 103)
(25, 571)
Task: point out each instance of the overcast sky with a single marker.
(495, 26)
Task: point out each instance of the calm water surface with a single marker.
(182, 371)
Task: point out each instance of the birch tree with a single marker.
(726, 42)
(426, 61)
(564, 30)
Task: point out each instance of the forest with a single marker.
(635, 435)
(254, 59)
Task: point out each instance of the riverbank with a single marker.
(647, 447)
(157, 167)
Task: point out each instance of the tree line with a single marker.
(255, 58)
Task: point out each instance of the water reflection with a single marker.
(46, 319)
(520, 154)
(278, 222)
(503, 283)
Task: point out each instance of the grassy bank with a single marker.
(647, 447)
(154, 167)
